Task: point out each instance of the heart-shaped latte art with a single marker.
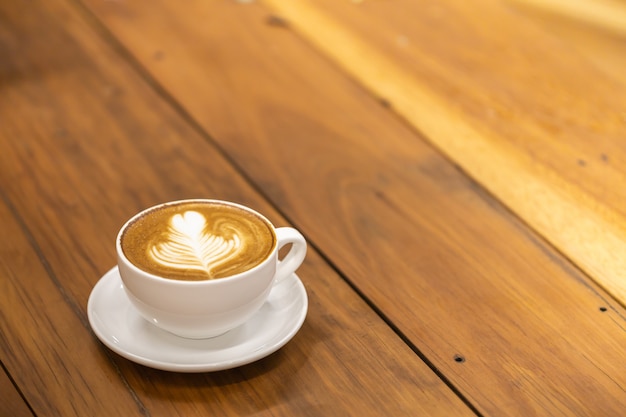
(188, 244)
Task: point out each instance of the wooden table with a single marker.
(458, 169)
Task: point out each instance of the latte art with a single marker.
(189, 245)
(197, 241)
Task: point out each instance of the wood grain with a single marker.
(86, 142)
(609, 15)
(42, 333)
(12, 404)
(598, 42)
(513, 325)
(512, 109)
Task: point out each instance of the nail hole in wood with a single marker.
(385, 103)
(603, 309)
(459, 359)
(277, 21)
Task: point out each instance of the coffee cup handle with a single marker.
(294, 258)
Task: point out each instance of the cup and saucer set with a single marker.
(200, 325)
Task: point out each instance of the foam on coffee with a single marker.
(197, 240)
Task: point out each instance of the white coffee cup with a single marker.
(206, 308)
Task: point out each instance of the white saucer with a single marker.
(117, 324)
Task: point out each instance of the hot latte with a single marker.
(197, 240)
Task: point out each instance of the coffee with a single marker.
(197, 240)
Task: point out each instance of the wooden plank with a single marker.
(42, 334)
(12, 403)
(503, 98)
(497, 310)
(86, 142)
(607, 15)
(593, 35)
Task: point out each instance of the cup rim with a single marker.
(121, 255)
